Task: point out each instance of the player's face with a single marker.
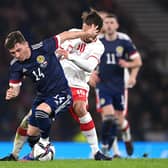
(86, 27)
(110, 25)
(21, 51)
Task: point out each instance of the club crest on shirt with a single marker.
(41, 60)
(102, 101)
(119, 51)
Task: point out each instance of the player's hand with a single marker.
(123, 63)
(11, 93)
(94, 79)
(62, 54)
(92, 33)
(131, 82)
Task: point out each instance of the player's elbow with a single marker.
(89, 69)
(140, 62)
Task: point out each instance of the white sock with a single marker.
(44, 141)
(90, 134)
(124, 124)
(115, 148)
(126, 133)
(18, 144)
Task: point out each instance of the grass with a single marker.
(116, 163)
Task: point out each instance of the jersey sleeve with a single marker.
(15, 75)
(50, 45)
(97, 52)
(130, 49)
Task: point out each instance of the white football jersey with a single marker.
(76, 76)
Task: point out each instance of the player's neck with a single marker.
(111, 37)
(28, 53)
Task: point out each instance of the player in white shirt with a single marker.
(80, 57)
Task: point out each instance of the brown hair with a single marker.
(13, 38)
(93, 18)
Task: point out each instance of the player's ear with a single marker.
(117, 25)
(26, 43)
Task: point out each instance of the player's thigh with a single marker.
(59, 103)
(119, 101)
(80, 101)
(44, 107)
(105, 99)
(79, 107)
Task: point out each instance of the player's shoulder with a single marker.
(15, 64)
(37, 45)
(98, 45)
(14, 61)
(123, 36)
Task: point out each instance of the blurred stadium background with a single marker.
(146, 21)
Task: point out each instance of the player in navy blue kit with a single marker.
(119, 56)
(40, 64)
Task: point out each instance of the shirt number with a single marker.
(111, 58)
(38, 74)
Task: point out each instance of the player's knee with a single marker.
(32, 140)
(80, 109)
(120, 118)
(110, 121)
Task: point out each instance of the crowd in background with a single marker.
(39, 19)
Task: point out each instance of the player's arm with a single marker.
(87, 65)
(134, 66)
(133, 76)
(12, 92)
(53, 43)
(135, 61)
(94, 78)
(68, 35)
(15, 80)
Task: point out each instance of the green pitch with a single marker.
(116, 163)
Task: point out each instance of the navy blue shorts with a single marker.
(58, 103)
(114, 98)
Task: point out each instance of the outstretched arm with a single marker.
(67, 35)
(87, 65)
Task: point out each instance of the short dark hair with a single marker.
(93, 18)
(13, 38)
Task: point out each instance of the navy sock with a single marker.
(44, 123)
(109, 130)
(113, 133)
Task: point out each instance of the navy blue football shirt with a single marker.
(42, 67)
(110, 73)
